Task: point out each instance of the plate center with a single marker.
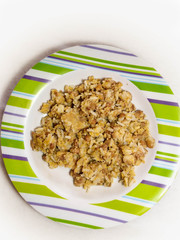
(59, 180)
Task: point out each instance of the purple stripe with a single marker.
(159, 159)
(153, 184)
(14, 157)
(168, 143)
(36, 79)
(15, 114)
(108, 50)
(163, 102)
(115, 70)
(78, 211)
(4, 130)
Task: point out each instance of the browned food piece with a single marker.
(72, 120)
(150, 142)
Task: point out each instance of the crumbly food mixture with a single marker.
(95, 130)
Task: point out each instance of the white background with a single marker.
(30, 30)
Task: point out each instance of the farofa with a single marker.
(95, 130)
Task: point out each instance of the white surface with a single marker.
(29, 30)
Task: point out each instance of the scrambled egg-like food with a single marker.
(95, 130)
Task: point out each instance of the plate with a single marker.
(51, 192)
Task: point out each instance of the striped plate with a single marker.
(122, 208)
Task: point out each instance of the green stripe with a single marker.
(124, 207)
(168, 159)
(104, 66)
(74, 223)
(168, 154)
(18, 167)
(12, 124)
(12, 143)
(152, 87)
(34, 189)
(166, 111)
(161, 171)
(169, 130)
(106, 61)
(12, 129)
(147, 192)
(19, 102)
(29, 86)
(51, 68)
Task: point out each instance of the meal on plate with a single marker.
(95, 130)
